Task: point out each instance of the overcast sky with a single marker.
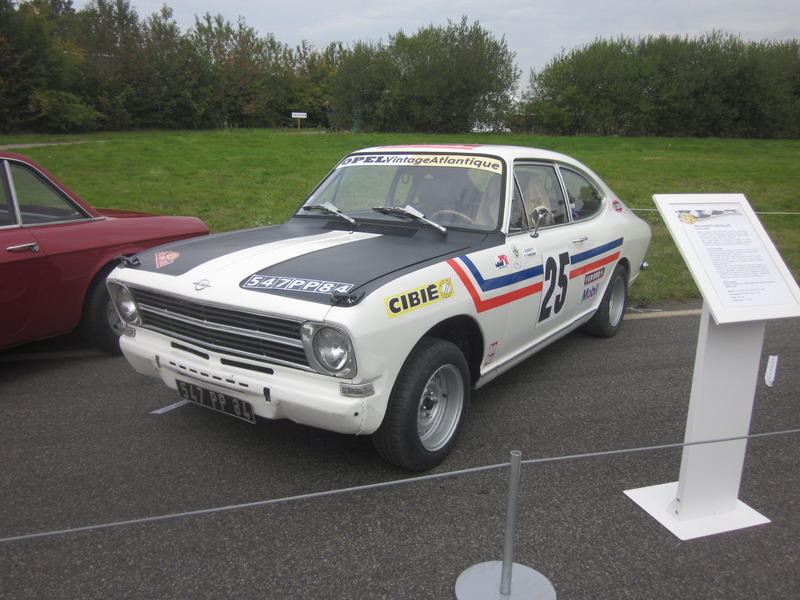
(535, 30)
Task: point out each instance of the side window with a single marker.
(38, 201)
(585, 200)
(540, 189)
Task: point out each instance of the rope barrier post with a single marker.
(511, 521)
(493, 579)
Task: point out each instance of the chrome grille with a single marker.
(224, 330)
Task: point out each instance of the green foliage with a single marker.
(104, 67)
(55, 111)
(439, 80)
(714, 86)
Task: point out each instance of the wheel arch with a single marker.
(101, 272)
(464, 332)
(626, 265)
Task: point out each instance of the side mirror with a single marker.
(539, 216)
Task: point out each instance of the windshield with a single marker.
(451, 190)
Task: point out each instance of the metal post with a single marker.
(479, 582)
(511, 522)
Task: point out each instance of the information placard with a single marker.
(734, 263)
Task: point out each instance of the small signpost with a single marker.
(299, 116)
(744, 282)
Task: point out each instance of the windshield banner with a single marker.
(416, 160)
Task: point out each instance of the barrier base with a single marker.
(656, 500)
(482, 582)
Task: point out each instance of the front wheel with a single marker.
(100, 325)
(427, 407)
(608, 318)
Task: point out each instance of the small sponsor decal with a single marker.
(166, 257)
(617, 205)
(594, 276)
(490, 353)
(502, 261)
(515, 251)
(419, 297)
(590, 292)
(295, 284)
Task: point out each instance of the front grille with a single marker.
(223, 330)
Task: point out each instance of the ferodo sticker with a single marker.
(295, 284)
(419, 297)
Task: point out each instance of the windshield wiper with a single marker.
(328, 208)
(408, 211)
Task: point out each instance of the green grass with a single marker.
(236, 178)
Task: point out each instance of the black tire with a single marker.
(100, 325)
(426, 408)
(607, 321)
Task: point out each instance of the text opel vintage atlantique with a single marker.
(411, 275)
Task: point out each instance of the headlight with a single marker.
(124, 303)
(329, 350)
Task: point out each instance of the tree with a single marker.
(716, 85)
(249, 73)
(38, 69)
(172, 91)
(441, 79)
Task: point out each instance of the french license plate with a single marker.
(229, 405)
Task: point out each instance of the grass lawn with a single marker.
(236, 179)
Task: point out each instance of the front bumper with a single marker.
(278, 393)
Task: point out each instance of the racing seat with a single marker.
(536, 194)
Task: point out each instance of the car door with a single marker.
(45, 261)
(596, 249)
(21, 264)
(538, 248)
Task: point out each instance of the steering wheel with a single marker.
(448, 211)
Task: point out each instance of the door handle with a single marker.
(580, 239)
(33, 247)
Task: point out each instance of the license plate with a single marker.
(229, 405)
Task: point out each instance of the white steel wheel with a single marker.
(440, 408)
(426, 408)
(617, 301)
(607, 321)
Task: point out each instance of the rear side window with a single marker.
(585, 199)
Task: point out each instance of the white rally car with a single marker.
(411, 275)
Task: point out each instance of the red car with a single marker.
(55, 253)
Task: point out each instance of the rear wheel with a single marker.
(427, 407)
(100, 325)
(608, 318)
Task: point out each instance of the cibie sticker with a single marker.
(295, 284)
(166, 258)
(419, 297)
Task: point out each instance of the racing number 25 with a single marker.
(554, 292)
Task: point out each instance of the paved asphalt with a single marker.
(95, 488)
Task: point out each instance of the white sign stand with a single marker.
(744, 282)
